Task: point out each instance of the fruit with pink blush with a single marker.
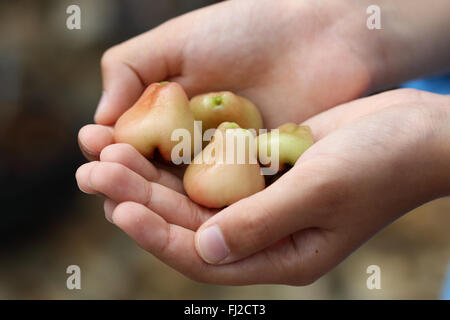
(149, 123)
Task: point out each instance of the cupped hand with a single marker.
(292, 58)
(375, 159)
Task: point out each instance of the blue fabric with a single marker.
(445, 295)
(441, 85)
(436, 84)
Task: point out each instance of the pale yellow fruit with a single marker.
(216, 185)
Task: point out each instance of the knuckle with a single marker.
(194, 213)
(109, 57)
(164, 246)
(184, 206)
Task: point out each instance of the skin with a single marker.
(293, 141)
(312, 217)
(217, 107)
(313, 55)
(212, 183)
(149, 123)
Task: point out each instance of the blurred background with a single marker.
(49, 87)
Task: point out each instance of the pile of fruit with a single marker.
(224, 171)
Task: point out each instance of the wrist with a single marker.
(419, 167)
(427, 170)
(411, 42)
(373, 49)
(440, 127)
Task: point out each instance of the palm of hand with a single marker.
(325, 205)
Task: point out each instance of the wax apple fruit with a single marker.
(217, 107)
(212, 181)
(149, 123)
(293, 140)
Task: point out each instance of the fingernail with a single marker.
(90, 155)
(211, 245)
(101, 105)
(109, 207)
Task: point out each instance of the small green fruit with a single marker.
(293, 140)
(217, 107)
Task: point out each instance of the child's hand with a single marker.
(292, 58)
(376, 158)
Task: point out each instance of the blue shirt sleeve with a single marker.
(437, 84)
(445, 295)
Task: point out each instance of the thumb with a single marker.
(131, 66)
(254, 223)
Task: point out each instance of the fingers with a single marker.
(120, 184)
(97, 139)
(93, 138)
(293, 261)
(128, 156)
(122, 86)
(83, 175)
(132, 65)
(255, 223)
(170, 243)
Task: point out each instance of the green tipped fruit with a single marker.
(218, 100)
(293, 140)
(216, 107)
